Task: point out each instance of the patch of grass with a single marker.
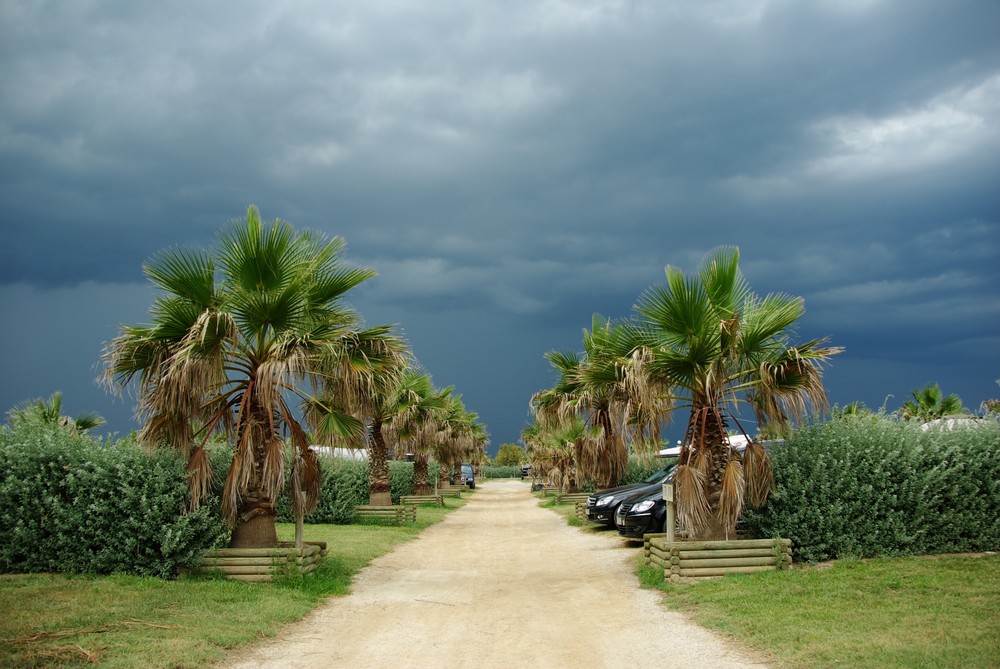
(134, 622)
(900, 613)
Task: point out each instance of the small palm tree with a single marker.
(238, 332)
(929, 403)
(715, 344)
(50, 413)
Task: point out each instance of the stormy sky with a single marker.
(511, 168)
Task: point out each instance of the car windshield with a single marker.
(658, 476)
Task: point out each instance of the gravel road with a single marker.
(499, 583)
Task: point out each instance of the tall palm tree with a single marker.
(49, 412)
(369, 392)
(460, 438)
(595, 386)
(716, 344)
(237, 332)
(930, 403)
(417, 404)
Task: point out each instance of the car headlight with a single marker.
(604, 501)
(643, 506)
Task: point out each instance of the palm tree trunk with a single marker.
(421, 478)
(379, 487)
(708, 434)
(444, 474)
(255, 526)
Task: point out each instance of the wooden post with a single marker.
(668, 497)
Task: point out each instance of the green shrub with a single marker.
(72, 504)
(641, 467)
(346, 485)
(867, 486)
(502, 472)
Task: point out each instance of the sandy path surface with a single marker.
(499, 583)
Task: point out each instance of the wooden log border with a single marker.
(436, 500)
(400, 513)
(684, 560)
(259, 565)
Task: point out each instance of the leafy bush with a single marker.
(346, 485)
(501, 472)
(72, 504)
(640, 468)
(866, 486)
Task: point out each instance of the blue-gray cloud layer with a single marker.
(512, 167)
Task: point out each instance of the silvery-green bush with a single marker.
(868, 486)
(70, 503)
(346, 485)
(501, 472)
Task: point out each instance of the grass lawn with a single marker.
(126, 621)
(933, 612)
(905, 613)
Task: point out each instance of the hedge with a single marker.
(345, 486)
(72, 504)
(868, 486)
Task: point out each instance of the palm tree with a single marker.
(417, 403)
(50, 413)
(716, 344)
(238, 332)
(369, 392)
(595, 386)
(460, 437)
(929, 403)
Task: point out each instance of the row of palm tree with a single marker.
(253, 339)
(705, 344)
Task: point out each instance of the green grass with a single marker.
(133, 622)
(921, 612)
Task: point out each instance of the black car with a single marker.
(468, 476)
(644, 514)
(601, 505)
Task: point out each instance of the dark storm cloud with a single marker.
(512, 168)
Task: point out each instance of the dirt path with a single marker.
(499, 583)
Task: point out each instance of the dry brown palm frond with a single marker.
(693, 510)
(758, 472)
(199, 472)
(242, 469)
(273, 473)
(731, 495)
(702, 460)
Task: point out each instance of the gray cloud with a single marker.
(511, 168)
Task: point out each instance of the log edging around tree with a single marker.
(257, 565)
(399, 513)
(684, 560)
(436, 500)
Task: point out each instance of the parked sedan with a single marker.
(601, 505)
(645, 514)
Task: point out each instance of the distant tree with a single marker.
(852, 409)
(929, 403)
(991, 406)
(50, 413)
(509, 455)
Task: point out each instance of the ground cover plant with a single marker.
(139, 622)
(892, 613)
